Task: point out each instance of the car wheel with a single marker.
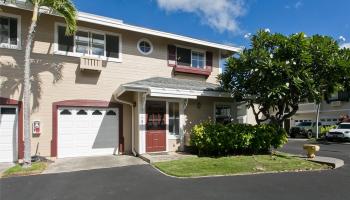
(309, 134)
(292, 135)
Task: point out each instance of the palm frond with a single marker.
(66, 9)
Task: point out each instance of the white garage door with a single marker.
(87, 131)
(8, 134)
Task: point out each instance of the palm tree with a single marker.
(64, 8)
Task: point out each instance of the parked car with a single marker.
(305, 129)
(342, 131)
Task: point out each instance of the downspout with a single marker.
(132, 105)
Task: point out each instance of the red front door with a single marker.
(155, 126)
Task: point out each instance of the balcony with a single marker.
(307, 107)
(192, 70)
(88, 63)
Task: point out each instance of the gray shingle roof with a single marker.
(174, 83)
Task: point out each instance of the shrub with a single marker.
(210, 138)
(326, 129)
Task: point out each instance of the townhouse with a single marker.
(112, 88)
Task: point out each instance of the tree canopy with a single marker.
(277, 72)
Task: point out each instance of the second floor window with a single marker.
(191, 58)
(197, 59)
(88, 43)
(9, 36)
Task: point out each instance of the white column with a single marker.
(141, 101)
(183, 119)
(167, 127)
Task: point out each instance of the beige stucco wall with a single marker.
(58, 77)
(174, 144)
(200, 110)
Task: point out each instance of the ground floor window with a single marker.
(174, 118)
(223, 113)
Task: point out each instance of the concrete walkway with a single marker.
(166, 156)
(5, 166)
(89, 163)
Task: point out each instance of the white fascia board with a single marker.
(125, 88)
(188, 93)
(168, 95)
(216, 94)
(170, 92)
(110, 22)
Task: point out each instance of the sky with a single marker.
(229, 21)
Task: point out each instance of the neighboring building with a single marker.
(331, 110)
(112, 88)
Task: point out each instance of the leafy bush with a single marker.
(326, 129)
(210, 138)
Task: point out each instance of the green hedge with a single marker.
(326, 129)
(214, 139)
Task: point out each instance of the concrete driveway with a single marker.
(89, 163)
(143, 182)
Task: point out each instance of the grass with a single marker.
(18, 170)
(207, 166)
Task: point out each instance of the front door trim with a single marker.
(182, 119)
(156, 132)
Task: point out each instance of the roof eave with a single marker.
(170, 92)
(110, 22)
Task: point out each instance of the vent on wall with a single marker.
(90, 63)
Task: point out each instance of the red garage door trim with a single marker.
(19, 104)
(84, 103)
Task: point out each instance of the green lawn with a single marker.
(205, 166)
(18, 170)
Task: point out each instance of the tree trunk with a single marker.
(317, 118)
(276, 122)
(26, 88)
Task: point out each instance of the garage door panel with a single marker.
(8, 133)
(8, 126)
(88, 134)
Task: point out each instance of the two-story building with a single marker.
(330, 111)
(111, 88)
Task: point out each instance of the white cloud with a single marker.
(247, 35)
(298, 4)
(267, 30)
(345, 45)
(220, 15)
(342, 38)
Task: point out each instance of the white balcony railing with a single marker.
(90, 63)
(307, 107)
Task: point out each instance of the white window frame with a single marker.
(84, 29)
(193, 50)
(173, 136)
(204, 59)
(224, 104)
(19, 32)
(145, 40)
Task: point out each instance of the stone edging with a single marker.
(334, 162)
